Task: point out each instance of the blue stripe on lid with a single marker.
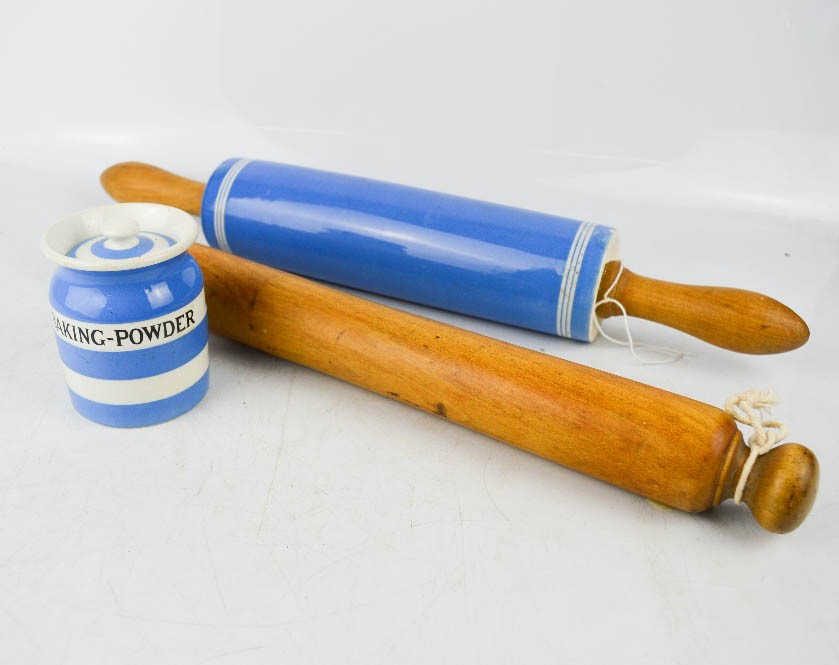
(147, 242)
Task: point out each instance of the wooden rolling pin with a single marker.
(674, 450)
(515, 266)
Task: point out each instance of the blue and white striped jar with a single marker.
(128, 312)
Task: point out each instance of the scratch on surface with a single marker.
(303, 130)
(114, 594)
(489, 494)
(610, 158)
(280, 446)
(230, 653)
(12, 559)
(34, 429)
(204, 481)
(215, 574)
(129, 616)
(393, 643)
(26, 632)
(355, 551)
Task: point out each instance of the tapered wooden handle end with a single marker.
(733, 319)
(138, 182)
(782, 486)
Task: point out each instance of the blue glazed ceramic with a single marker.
(505, 264)
(128, 312)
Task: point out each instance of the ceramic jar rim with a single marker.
(63, 236)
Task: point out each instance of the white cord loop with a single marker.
(750, 408)
(671, 355)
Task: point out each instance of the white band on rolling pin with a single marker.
(570, 275)
(221, 202)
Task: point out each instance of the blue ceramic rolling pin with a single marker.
(519, 267)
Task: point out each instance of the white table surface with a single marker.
(294, 518)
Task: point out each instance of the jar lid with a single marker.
(123, 236)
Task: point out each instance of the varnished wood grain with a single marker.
(672, 449)
(141, 183)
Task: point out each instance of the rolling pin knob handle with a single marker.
(782, 487)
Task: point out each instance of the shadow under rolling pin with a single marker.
(674, 450)
(505, 264)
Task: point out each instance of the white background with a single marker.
(292, 518)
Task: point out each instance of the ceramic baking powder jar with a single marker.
(128, 312)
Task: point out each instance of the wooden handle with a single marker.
(734, 319)
(674, 450)
(731, 318)
(136, 182)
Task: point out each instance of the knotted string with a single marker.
(671, 355)
(750, 408)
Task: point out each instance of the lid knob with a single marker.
(120, 233)
(117, 237)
